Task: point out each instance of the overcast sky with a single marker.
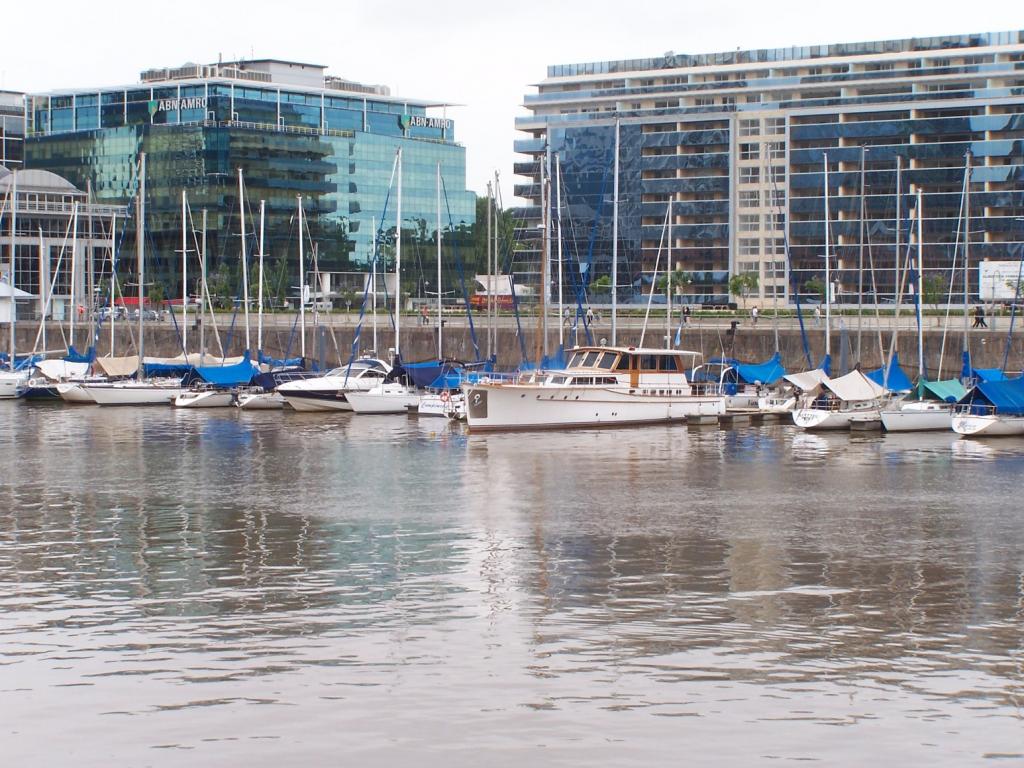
(478, 53)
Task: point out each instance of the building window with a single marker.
(749, 247)
(748, 127)
(776, 150)
(775, 125)
(750, 198)
(748, 266)
(777, 198)
(748, 151)
(749, 176)
(750, 222)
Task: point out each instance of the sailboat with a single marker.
(141, 391)
(931, 406)
(12, 381)
(393, 394)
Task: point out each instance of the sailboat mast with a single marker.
(615, 240)
(204, 291)
(14, 231)
(140, 252)
(967, 246)
(828, 273)
(920, 287)
(493, 277)
(113, 280)
(440, 306)
(245, 261)
(373, 280)
(398, 259)
(259, 289)
(860, 257)
(184, 274)
(302, 285)
(74, 274)
(899, 212)
(668, 280)
(558, 235)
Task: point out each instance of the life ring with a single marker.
(445, 397)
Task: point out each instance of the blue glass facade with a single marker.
(335, 150)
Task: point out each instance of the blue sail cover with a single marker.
(423, 373)
(74, 356)
(239, 374)
(1007, 396)
(21, 362)
(284, 362)
(470, 374)
(769, 372)
(898, 381)
(169, 370)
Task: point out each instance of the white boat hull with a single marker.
(259, 401)
(204, 399)
(75, 392)
(818, 418)
(12, 384)
(918, 419)
(513, 406)
(989, 425)
(305, 403)
(133, 393)
(434, 404)
(397, 400)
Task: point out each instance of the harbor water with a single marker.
(266, 589)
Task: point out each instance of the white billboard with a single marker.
(997, 280)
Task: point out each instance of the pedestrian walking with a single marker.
(817, 315)
(686, 314)
(753, 317)
(590, 315)
(979, 317)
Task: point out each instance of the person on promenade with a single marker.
(753, 317)
(817, 315)
(979, 317)
(686, 314)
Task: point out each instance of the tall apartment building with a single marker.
(733, 147)
(291, 128)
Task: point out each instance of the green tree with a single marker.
(743, 284)
(603, 284)
(815, 288)
(155, 295)
(933, 289)
(680, 280)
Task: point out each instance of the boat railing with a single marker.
(974, 409)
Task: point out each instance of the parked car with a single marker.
(148, 314)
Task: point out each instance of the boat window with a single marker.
(559, 379)
(668, 363)
(607, 361)
(609, 380)
(583, 380)
(591, 358)
(576, 360)
(649, 363)
(624, 362)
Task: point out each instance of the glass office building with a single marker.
(732, 148)
(293, 131)
(12, 129)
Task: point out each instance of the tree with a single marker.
(816, 288)
(742, 284)
(155, 294)
(679, 280)
(933, 288)
(603, 284)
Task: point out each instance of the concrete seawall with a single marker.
(333, 343)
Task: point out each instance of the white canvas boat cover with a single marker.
(807, 381)
(854, 386)
(55, 370)
(117, 367)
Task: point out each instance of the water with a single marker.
(265, 589)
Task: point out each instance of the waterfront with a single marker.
(217, 588)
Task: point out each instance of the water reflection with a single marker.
(169, 579)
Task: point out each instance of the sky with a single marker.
(480, 55)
